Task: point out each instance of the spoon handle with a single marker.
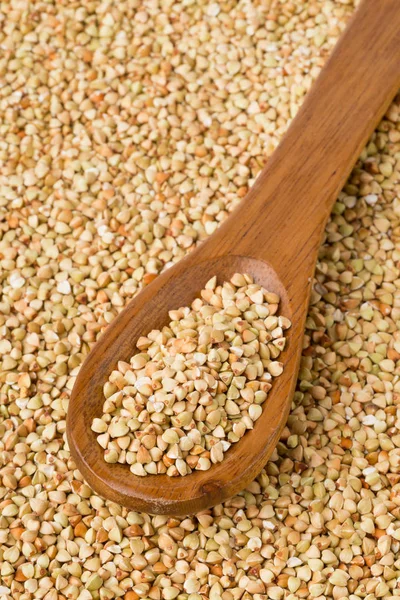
(287, 208)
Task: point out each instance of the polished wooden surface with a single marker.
(274, 235)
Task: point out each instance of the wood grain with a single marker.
(274, 235)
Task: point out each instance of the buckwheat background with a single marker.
(128, 131)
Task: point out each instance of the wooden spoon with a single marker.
(274, 235)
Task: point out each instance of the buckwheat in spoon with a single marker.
(183, 399)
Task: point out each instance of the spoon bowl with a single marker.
(273, 235)
(201, 489)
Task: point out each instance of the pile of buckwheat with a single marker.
(197, 385)
(128, 131)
